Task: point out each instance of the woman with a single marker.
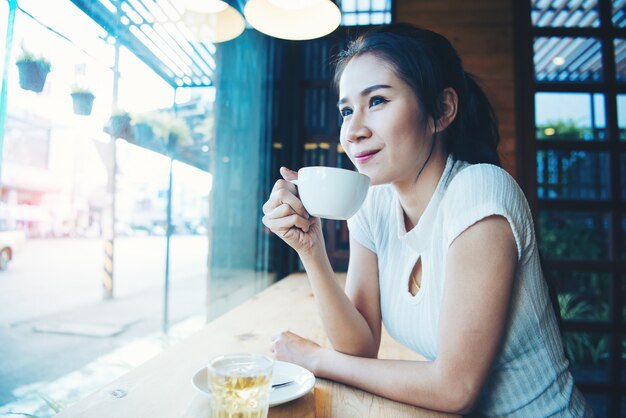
(443, 250)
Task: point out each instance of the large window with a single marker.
(572, 79)
(91, 204)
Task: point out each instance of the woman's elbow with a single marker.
(366, 348)
(462, 396)
(461, 390)
(365, 352)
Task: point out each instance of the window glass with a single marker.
(348, 6)
(619, 13)
(563, 233)
(582, 119)
(57, 188)
(365, 12)
(587, 353)
(564, 13)
(571, 60)
(53, 194)
(573, 175)
(621, 116)
(620, 60)
(581, 295)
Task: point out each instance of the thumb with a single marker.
(288, 174)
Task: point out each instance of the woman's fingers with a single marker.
(283, 224)
(285, 184)
(282, 196)
(288, 174)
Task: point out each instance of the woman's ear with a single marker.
(448, 105)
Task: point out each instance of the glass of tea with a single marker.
(240, 385)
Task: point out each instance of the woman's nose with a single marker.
(357, 128)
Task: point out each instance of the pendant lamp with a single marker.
(214, 20)
(293, 19)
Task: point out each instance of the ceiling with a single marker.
(575, 58)
(153, 30)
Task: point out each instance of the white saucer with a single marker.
(283, 371)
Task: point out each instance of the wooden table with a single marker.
(162, 386)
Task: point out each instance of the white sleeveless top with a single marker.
(530, 375)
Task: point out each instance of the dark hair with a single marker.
(428, 63)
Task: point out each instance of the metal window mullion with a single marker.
(525, 103)
(571, 87)
(573, 145)
(575, 205)
(610, 97)
(566, 32)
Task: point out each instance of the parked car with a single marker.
(10, 243)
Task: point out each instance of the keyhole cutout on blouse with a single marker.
(415, 279)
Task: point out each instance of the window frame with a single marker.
(528, 146)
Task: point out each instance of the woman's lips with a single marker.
(365, 156)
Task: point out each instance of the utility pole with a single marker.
(5, 75)
(170, 149)
(108, 229)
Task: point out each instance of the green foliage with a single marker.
(179, 129)
(26, 55)
(172, 128)
(76, 88)
(563, 236)
(583, 348)
(172, 131)
(565, 129)
(574, 307)
(120, 112)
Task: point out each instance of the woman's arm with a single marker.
(479, 274)
(351, 318)
(353, 328)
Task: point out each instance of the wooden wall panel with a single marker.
(482, 32)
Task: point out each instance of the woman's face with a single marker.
(382, 130)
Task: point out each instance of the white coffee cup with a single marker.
(331, 193)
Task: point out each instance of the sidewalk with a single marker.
(62, 358)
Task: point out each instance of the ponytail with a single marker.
(428, 63)
(473, 136)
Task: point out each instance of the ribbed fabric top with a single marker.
(530, 376)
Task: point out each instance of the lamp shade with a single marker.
(293, 19)
(218, 21)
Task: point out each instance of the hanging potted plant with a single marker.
(33, 70)
(173, 131)
(82, 99)
(143, 128)
(119, 125)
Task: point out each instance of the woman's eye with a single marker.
(376, 100)
(346, 111)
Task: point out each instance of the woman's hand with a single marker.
(287, 346)
(286, 217)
